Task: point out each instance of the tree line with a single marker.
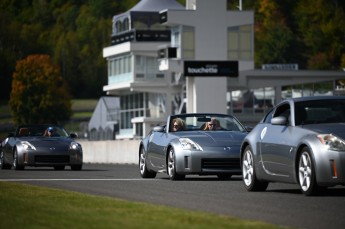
(73, 33)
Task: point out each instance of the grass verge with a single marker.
(26, 206)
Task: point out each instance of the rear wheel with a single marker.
(248, 172)
(16, 165)
(144, 172)
(171, 166)
(306, 174)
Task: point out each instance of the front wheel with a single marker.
(171, 166)
(16, 164)
(248, 172)
(3, 164)
(144, 172)
(306, 174)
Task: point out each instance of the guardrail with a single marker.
(124, 151)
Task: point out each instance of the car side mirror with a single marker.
(73, 135)
(280, 120)
(158, 128)
(249, 128)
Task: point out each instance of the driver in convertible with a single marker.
(48, 132)
(178, 125)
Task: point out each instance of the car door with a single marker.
(157, 149)
(276, 146)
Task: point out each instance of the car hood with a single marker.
(48, 142)
(215, 138)
(337, 129)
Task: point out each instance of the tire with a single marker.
(144, 172)
(76, 167)
(248, 172)
(171, 166)
(3, 164)
(306, 174)
(59, 167)
(16, 165)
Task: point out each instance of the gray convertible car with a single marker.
(202, 144)
(41, 145)
(301, 141)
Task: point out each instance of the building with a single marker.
(104, 121)
(167, 58)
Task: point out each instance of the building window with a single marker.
(188, 43)
(131, 106)
(251, 101)
(240, 43)
(176, 41)
(147, 67)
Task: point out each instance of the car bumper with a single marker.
(50, 158)
(330, 168)
(220, 160)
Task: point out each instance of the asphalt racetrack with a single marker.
(281, 204)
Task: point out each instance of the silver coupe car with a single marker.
(41, 146)
(301, 140)
(202, 144)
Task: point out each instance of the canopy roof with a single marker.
(143, 9)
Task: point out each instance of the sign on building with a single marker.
(211, 68)
(287, 67)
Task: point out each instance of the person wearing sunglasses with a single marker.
(178, 125)
(213, 125)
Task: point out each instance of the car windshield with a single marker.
(205, 122)
(320, 111)
(41, 130)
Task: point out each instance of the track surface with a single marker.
(281, 204)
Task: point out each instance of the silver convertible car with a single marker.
(301, 141)
(203, 144)
(41, 146)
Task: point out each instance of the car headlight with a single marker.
(186, 143)
(27, 145)
(74, 146)
(332, 142)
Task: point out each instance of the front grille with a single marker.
(50, 159)
(220, 163)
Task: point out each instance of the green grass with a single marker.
(84, 104)
(26, 206)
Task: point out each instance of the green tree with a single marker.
(321, 28)
(39, 95)
(274, 39)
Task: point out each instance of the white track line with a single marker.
(91, 179)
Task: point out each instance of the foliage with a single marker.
(39, 94)
(72, 32)
(322, 30)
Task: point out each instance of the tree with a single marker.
(39, 94)
(274, 40)
(321, 28)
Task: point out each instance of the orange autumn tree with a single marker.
(39, 94)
